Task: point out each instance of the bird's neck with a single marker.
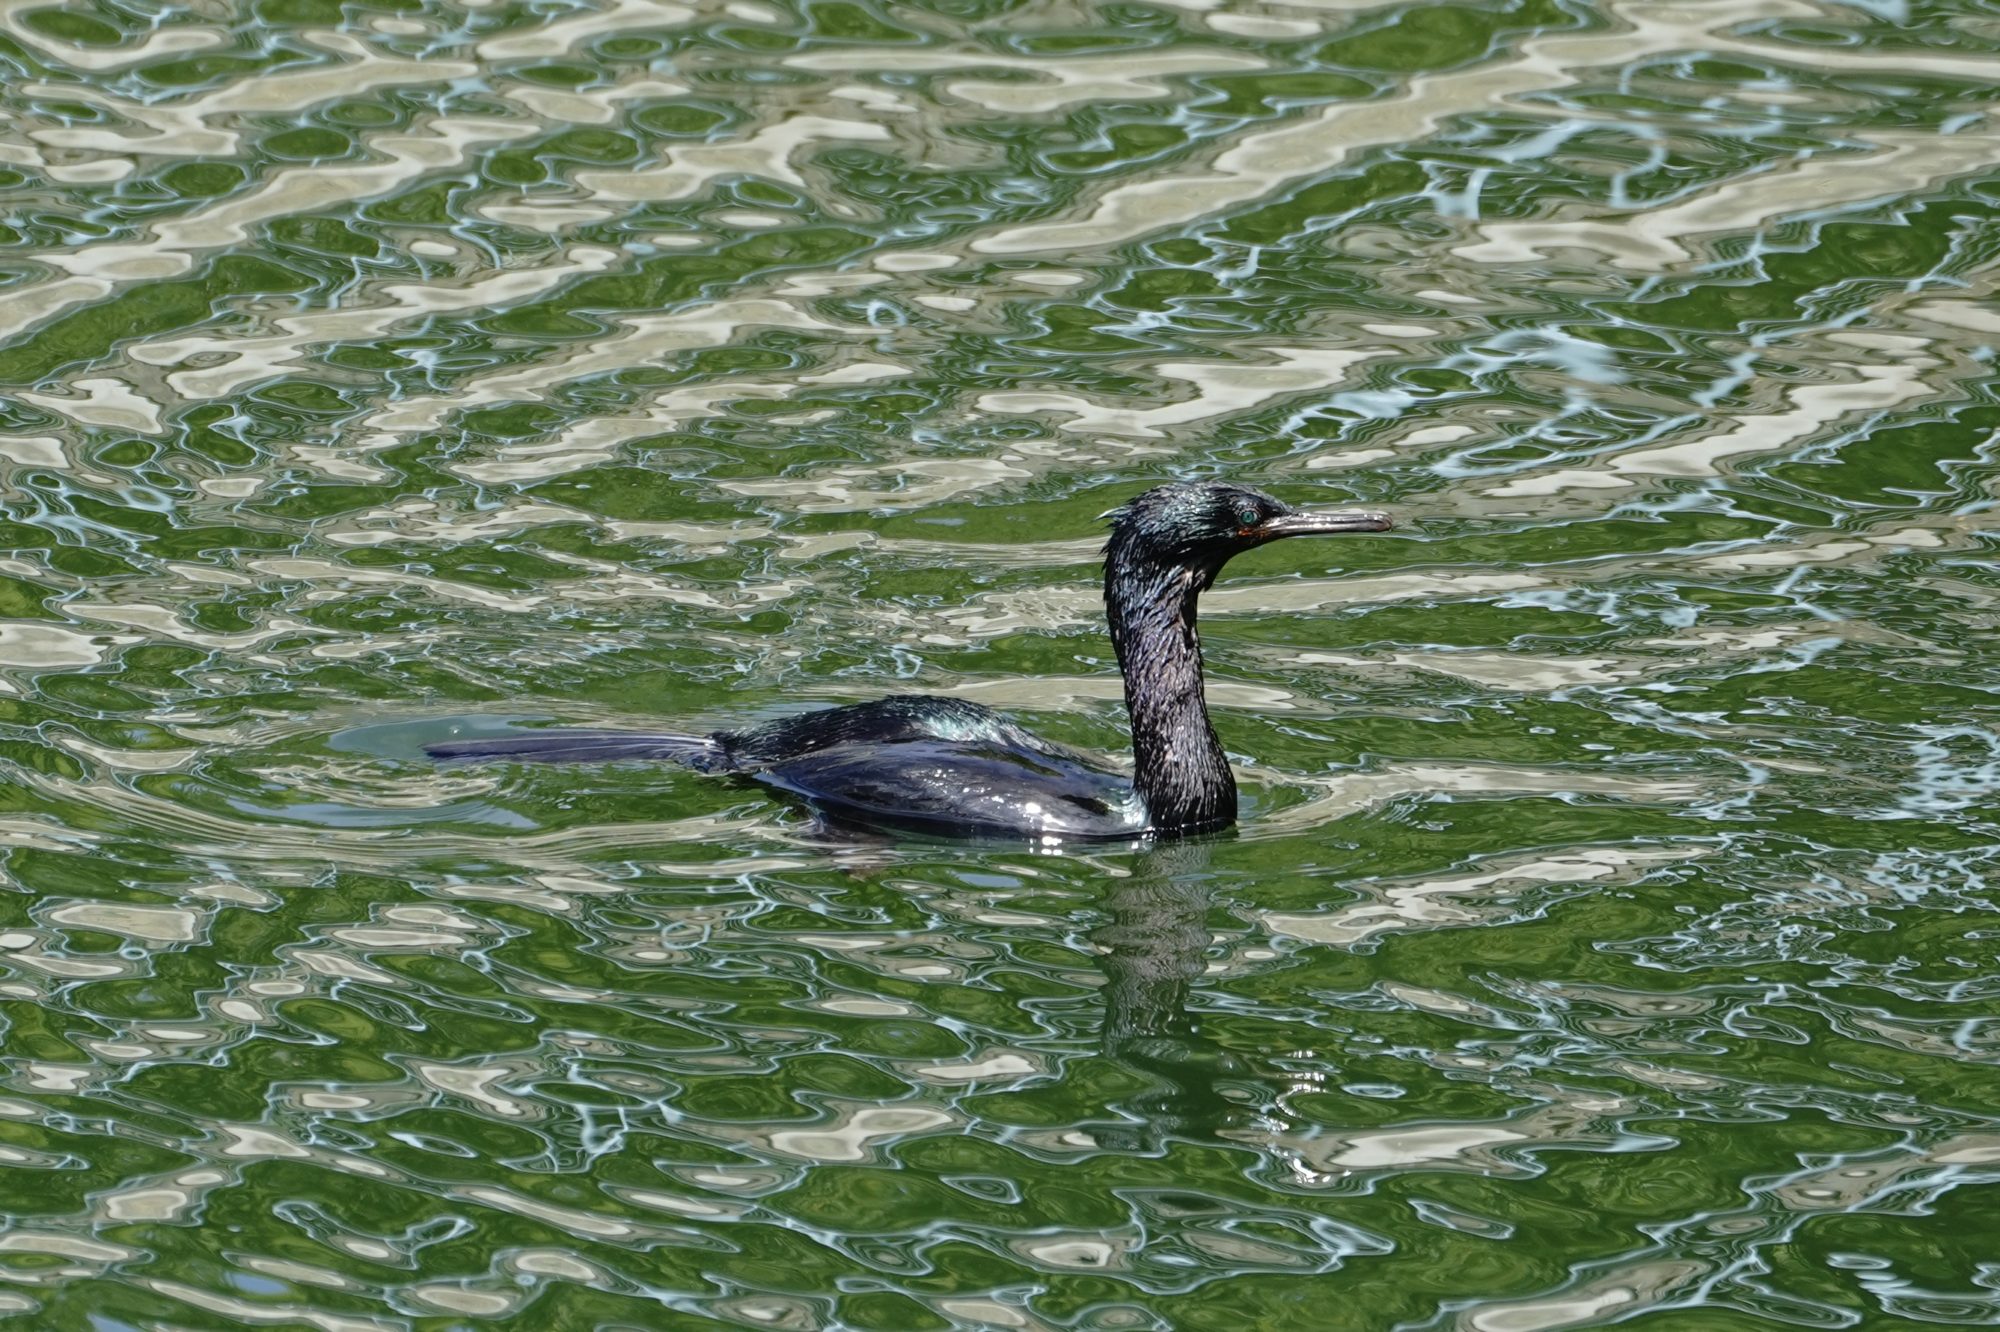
(1179, 766)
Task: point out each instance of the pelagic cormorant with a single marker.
(946, 766)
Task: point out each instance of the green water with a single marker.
(1609, 938)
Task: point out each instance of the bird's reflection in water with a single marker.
(1154, 940)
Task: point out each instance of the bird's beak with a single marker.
(1324, 522)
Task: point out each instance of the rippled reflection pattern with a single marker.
(1610, 936)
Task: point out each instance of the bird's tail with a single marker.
(585, 747)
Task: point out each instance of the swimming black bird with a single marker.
(946, 766)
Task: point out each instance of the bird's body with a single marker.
(914, 761)
(946, 766)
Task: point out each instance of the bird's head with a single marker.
(1199, 526)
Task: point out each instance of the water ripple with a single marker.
(1609, 938)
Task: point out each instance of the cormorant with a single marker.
(946, 766)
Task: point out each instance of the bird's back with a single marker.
(916, 761)
(894, 720)
(939, 765)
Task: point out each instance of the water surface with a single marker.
(1610, 937)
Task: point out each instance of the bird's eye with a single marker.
(1247, 516)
